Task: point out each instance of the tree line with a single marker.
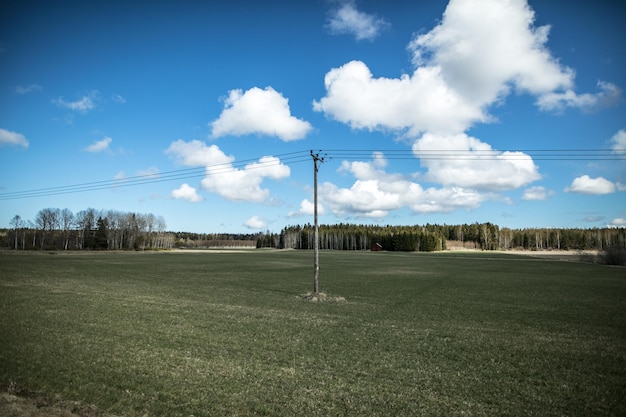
(61, 229)
(216, 240)
(430, 237)
(357, 237)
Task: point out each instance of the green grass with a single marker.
(211, 334)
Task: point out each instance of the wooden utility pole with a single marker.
(317, 161)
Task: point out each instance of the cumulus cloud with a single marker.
(618, 222)
(245, 184)
(461, 160)
(257, 111)
(588, 185)
(307, 208)
(221, 174)
(375, 193)
(418, 103)
(197, 153)
(470, 61)
(618, 142)
(348, 20)
(82, 105)
(479, 53)
(186, 192)
(8, 137)
(100, 146)
(484, 47)
(608, 95)
(537, 193)
(376, 198)
(255, 223)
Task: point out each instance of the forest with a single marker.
(432, 237)
(91, 229)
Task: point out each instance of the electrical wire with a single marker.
(176, 175)
(344, 154)
(483, 154)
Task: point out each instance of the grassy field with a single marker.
(226, 334)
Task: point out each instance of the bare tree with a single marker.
(17, 223)
(86, 221)
(44, 221)
(67, 222)
(48, 221)
(161, 236)
(141, 225)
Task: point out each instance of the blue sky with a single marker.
(205, 112)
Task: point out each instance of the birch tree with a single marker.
(67, 222)
(16, 222)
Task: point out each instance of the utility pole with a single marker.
(317, 161)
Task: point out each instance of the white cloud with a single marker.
(186, 192)
(484, 46)
(417, 103)
(20, 89)
(618, 222)
(255, 222)
(307, 208)
(225, 179)
(8, 137)
(197, 153)
(618, 142)
(587, 185)
(479, 53)
(245, 184)
(100, 146)
(447, 199)
(370, 170)
(363, 199)
(461, 160)
(348, 20)
(257, 111)
(375, 198)
(375, 193)
(462, 68)
(537, 193)
(608, 95)
(82, 105)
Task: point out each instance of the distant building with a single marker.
(377, 247)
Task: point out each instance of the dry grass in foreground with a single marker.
(37, 406)
(322, 298)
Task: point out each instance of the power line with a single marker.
(478, 155)
(484, 154)
(176, 175)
